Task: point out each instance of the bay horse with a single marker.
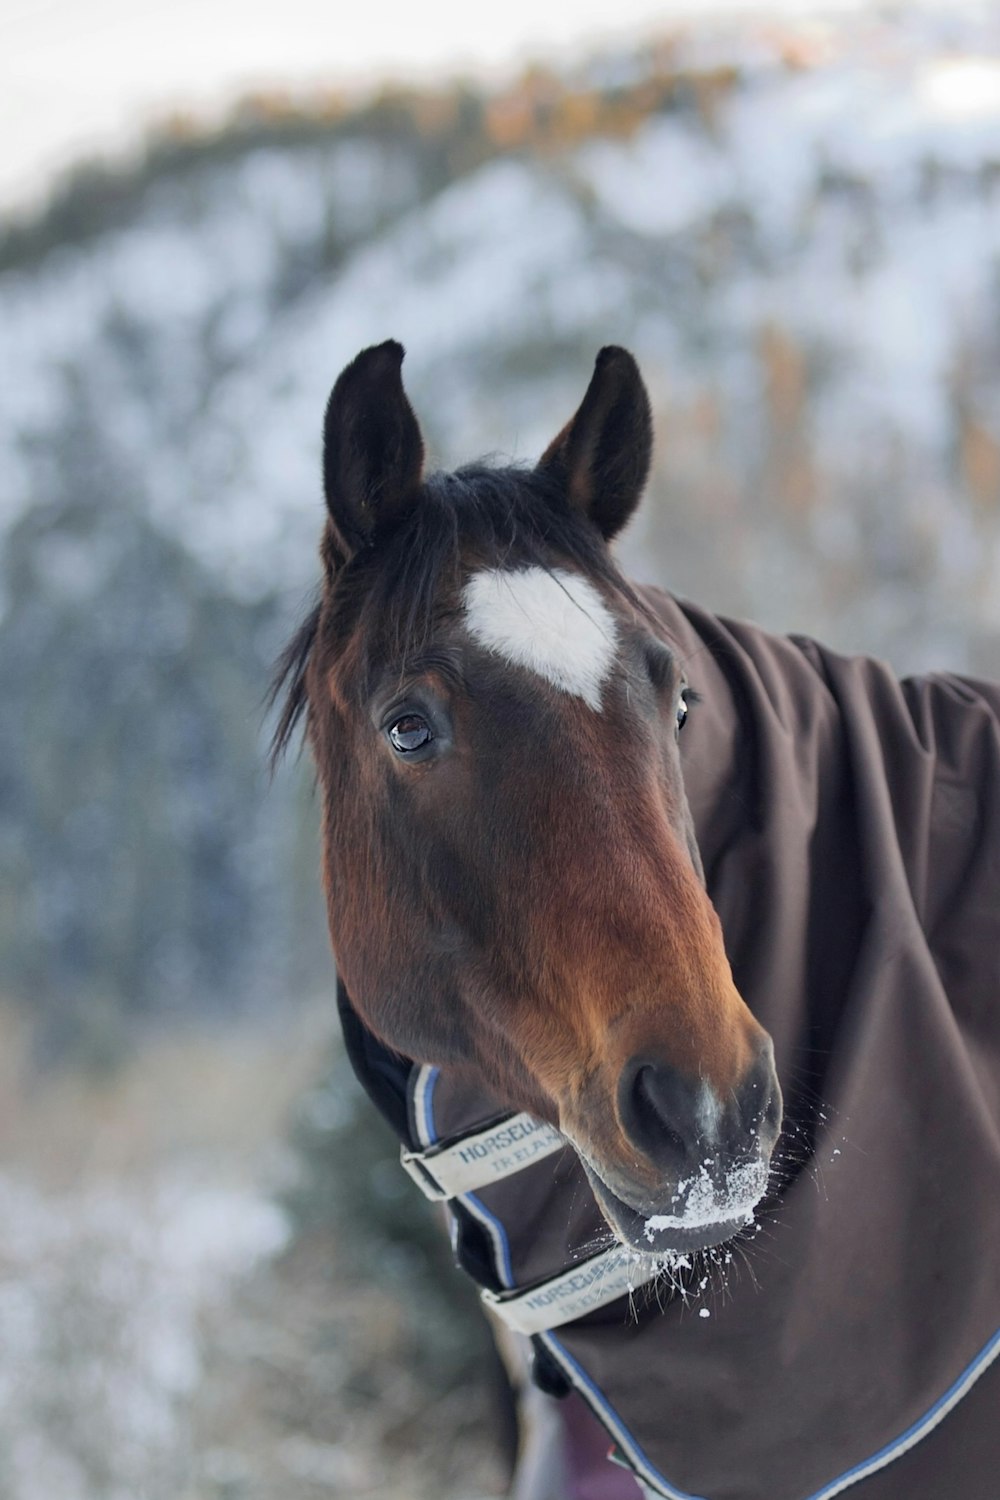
(583, 948)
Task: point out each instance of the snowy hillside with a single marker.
(807, 267)
(796, 229)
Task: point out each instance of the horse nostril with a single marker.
(679, 1123)
(653, 1123)
(658, 1111)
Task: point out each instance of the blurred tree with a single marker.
(134, 825)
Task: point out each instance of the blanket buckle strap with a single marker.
(574, 1293)
(488, 1154)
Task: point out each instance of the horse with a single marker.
(616, 891)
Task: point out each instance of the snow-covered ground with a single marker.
(169, 1328)
(102, 1293)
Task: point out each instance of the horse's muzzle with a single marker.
(699, 1164)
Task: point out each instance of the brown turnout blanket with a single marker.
(850, 829)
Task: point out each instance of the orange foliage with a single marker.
(979, 456)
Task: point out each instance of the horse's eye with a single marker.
(410, 733)
(682, 710)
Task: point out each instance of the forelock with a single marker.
(478, 516)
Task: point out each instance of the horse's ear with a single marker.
(373, 452)
(603, 455)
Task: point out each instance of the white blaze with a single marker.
(553, 622)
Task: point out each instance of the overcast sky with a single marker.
(79, 76)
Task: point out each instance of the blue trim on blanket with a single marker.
(873, 1465)
(429, 1126)
(497, 1230)
(913, 1434)
(615, 1422)
(506, 1269)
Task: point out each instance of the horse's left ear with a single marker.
(373, 452)
(603, 455)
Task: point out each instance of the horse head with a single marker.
(513, 883)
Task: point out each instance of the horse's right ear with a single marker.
(373, 452)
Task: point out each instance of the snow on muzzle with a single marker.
(704, 1209)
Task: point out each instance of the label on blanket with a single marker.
(475, 1161)
(575, 1293)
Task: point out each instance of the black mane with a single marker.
(288, 685)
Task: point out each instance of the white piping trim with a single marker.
(426, 1074)
(657, 1486)
(422, 1090)
(919, 1430)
